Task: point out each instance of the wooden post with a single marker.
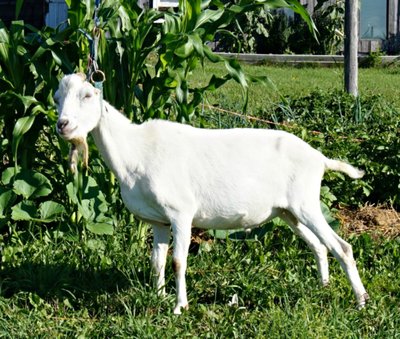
(351, 47)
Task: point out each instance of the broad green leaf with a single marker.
(4, 51)
(22, 126)
(8, 174)
(39, 109)
(86, 208)
(208, 16)
(277, 3)
(215, 82)
(197, 44)
(56, 58)
(31, 184)
(96, 245)
(91, 191)
(100, 228)
(26, 100)
(166, 58)
(90, 200)
(236, 72)
(236, 9)
(305, 15)
(222, 234)
(329, 217)
(50, 210)
(7, 198)
(185, 50)
(4, 35)
(72, 193)
(25, 210)
(211, 55)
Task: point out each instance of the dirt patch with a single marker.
(378, 221)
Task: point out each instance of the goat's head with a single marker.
(78, 105)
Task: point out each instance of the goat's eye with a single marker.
(87, 95)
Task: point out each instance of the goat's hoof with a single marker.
(325, 283)
(363, 301)
(177, 309)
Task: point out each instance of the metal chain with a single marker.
(95, 75)
(94, 41)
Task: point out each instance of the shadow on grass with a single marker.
(61, 281)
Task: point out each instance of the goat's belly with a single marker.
(241, 219)
(148, 214)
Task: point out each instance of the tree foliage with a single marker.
(269, 30)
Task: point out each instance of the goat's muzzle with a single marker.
(61, 124)
(65, 130)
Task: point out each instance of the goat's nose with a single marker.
(61, 124)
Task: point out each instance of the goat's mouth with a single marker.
(67, 133)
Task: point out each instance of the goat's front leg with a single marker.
(161, 235)
(181, 235)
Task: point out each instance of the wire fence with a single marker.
(270, 122)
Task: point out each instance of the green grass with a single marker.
(63, 283)
(64, 286)
(299, 82)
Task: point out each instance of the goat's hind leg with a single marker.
(161, 236)
(315, 221)
(319, 250)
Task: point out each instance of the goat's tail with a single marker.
(341, 166)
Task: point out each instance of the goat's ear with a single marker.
(82, 76)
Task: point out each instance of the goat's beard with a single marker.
(78, 145)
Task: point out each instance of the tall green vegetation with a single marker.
(276, 31)
(148, 58)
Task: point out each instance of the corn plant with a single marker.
(32, 185)
(148, 57)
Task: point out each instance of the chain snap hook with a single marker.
(97, 77)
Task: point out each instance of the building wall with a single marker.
(57, 14)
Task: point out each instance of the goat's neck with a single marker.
(115, 138)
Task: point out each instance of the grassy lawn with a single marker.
(60, 282)
(300, 82)
(100, 287)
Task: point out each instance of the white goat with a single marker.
(177, 177)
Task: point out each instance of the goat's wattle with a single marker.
(78, 145)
